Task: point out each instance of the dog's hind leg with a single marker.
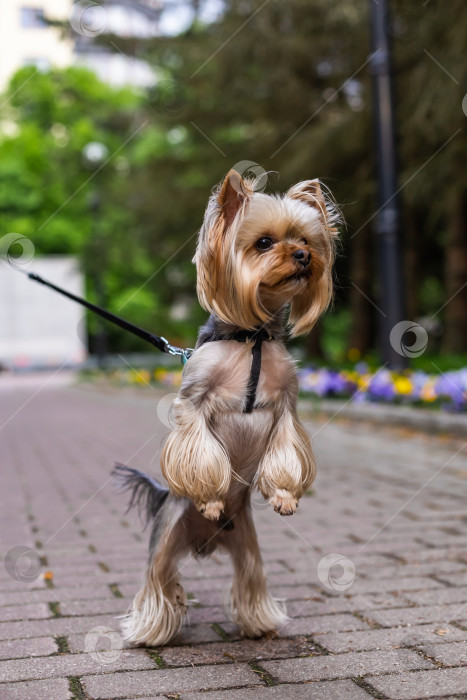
(252, 606)
(159, 608)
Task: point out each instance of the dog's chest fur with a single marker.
(215, 380)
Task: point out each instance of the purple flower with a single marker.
(381, 386)
(452, 386)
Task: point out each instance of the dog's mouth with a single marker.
(297, 276)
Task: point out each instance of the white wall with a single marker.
(43, 46)
(38, 327)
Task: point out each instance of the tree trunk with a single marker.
(455, 271)
(362, 312)
(313, 348)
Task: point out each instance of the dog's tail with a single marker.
(146, 494)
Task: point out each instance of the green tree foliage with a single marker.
(285, 85)
(51, 195)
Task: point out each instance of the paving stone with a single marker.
(123, 685)
(419, 615)
(437, 597)
(46, 595)
(454, 654)
(196, 586)
(397, 571)
(292, 592)
(244, 650)
(58, 689)
(322, 624)
(209, 614)
(345, 665)
(18, 648)
(411, 565)
(73, 665)
(423, 684)
(407, 584)
(53, 627)
(99, 578)
(326, 690)
(94, 607)
(319, 605)
(11, 585)
(25, 612)
(196, 634)
(454, 579)
(390, 638)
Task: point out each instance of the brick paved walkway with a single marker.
(388, 621)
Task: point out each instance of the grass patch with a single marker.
(156, 658)
(62, 644)
(76, 688)
(264, 675)
(115, 590)
(55, 609)
(220, 631)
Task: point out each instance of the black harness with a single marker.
(256, 351)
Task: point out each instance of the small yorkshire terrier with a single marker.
(264, 268)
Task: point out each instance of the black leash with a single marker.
(157, 341)
(163, 344)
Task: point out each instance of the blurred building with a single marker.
(40, 328)
(28, 38)
(120, 18)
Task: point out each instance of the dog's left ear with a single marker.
(309, 191)
(233, 194)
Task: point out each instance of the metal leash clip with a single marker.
(184, 354)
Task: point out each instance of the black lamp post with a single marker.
(94, 156)
(388, 218)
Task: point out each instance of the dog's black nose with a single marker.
(303, 256)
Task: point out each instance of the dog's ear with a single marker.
(233, 194)
(309, 191)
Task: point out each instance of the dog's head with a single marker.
(258, 253)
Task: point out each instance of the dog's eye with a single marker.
(264, 243)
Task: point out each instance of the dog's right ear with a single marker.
(232, 195)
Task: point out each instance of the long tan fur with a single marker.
(194, 462)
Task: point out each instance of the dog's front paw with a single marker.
(283, 502)
(212, 509)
